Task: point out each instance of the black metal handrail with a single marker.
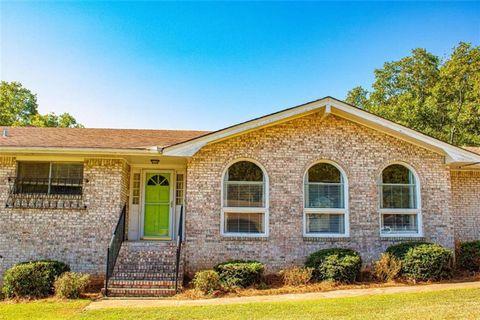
(114, 247)
(179, 247)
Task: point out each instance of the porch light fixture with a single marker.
(154, 161)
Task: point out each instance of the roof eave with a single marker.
(90, 151)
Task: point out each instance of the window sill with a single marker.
(244, 238)
(342, 238)
(399, 237)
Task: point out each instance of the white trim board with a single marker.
(453, 154)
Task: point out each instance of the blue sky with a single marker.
(209, 65)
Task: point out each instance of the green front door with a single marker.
(156, 222)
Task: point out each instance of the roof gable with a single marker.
(326, 106)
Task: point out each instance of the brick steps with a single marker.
(144, 269)
(142, 284)
(141, 292)
(143, 276)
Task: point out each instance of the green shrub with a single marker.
(296, 276)
(341, 265)
(401, 249)
(388, 267)
(71, 285)
(239, 273)
(32, 279)
(469, 256)
(428, 262)
(207, 281)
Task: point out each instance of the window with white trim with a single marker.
(399, 201)
(325, 207)
(244, 209)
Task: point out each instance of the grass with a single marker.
(449, 304)
(42, 309)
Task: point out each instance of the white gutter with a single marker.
(99, 151)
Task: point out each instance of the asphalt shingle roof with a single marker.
(93, 138)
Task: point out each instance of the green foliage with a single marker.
(438, 97)
(469, 256)
(18, 107)
(341, 265)
(207, 281)
(388, 267)
(400, 250)
(296, 276)
(17, 104)
(65, 120)
(32, 279)
(428, 262)
(358, 96)
(239, 273)
(71, 285)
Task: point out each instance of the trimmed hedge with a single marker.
(427, 262)
(469, 255)
(422, 261)
(239, 273)
(341, 265)
(32, 279)
(401, 249)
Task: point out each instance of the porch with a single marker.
(144, 254)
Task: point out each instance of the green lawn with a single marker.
(451, 304)
(43, 309)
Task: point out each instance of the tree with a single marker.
(358, 96)
(18, 107)
(456, 97)
(17, 104)
(439, 98)
(65, 120)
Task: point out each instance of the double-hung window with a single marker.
(399, 202)
(64, 178)
(244, 209)
(325, 207)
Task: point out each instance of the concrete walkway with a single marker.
(150, 303)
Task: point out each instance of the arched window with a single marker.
(399, 201)
(244, 208)
(325, 194)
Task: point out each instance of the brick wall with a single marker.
(77, 237)
(286, 151)
(466, 204)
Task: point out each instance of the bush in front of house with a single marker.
(428, 262)
(239, 273)
(32, 279)
(469, 255)
(207, 281)
(296, 276)
(388, 267)
(340, 265)
(400, 250)
(71, 285)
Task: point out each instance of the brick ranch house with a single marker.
(274, 189)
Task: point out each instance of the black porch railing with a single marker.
(58, 193)
(179, 248)
(114, 247)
